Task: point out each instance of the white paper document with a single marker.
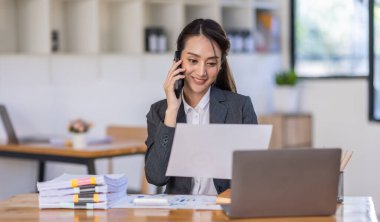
(195, 202)
(90, 198)
(66, 181)
(206, 150)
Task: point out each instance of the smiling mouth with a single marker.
(199, 81)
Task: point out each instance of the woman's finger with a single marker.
(175, 66)
(173, 74)
(170, 83)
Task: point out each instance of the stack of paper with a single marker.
(82, 191)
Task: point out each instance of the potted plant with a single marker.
(286, 95)
(286, 78)
(78, 128)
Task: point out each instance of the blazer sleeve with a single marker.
(159, 143)
(249, 115)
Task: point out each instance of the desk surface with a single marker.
(48, 152)
(25, 208)
(95, 151)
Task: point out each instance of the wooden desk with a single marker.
(25, 208)
(47, 152)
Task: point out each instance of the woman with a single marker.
(208, 96)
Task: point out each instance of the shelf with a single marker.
(289, 130)
(167, 15)
(271, 5)
(88, 27)
(235, 14)
(121, 25)
(200, 9)
(235, 17)
(18, 31)
(234, 3)
(76, 23)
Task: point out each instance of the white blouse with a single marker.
(200, 115)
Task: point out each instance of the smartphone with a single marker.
(178, 85)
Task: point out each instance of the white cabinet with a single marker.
(201, 9)
(167, 15)
(121, 26)
(76, 23)
(110, 26)
(237, 15)
(18, 30)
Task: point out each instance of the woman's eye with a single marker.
(212, 64)
(192, 61)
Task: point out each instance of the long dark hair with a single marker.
(213, 31)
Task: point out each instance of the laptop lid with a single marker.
(9, 130)
(298, 182)
(11, 133)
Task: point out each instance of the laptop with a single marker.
(11, 133)
(284, 183)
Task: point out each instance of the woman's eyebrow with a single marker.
(196, 55)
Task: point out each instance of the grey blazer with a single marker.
(225, 107)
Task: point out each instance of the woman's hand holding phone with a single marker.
(172, 101)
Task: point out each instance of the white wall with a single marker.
(43, 93)
(340, 118)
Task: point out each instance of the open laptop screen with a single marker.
(11, 134)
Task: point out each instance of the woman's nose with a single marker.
(202, 70)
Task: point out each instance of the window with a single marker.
(374, 77)
(330, 38)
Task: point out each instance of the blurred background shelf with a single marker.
(111, 26)
(289, 130)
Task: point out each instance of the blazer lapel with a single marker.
(218, 110)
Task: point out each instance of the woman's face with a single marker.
(201, 59)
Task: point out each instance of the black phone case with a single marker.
(178, 85)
